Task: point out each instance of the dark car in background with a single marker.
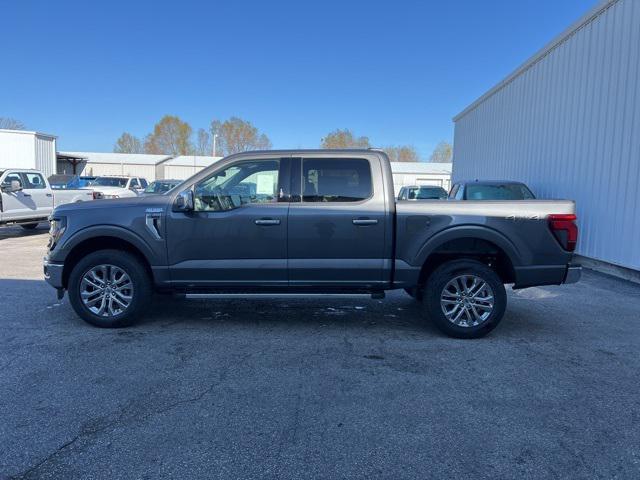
(422, 192)
(490, 190)
(160, 186)
(67, 182)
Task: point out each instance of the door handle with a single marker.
(364, 221)
(267, 221)
(25, 194)
(49, 195)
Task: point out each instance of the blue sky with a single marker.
(394, 71)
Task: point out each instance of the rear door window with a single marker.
(336, 180)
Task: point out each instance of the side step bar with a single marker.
(275, 295)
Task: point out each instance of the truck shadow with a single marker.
(18, 231)
(398, 310)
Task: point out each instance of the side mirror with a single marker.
(184, 202)
(13, 186)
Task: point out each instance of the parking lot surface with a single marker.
(316, 388)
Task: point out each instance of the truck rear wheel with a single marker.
(109, 288)
(465, 298)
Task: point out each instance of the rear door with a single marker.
(337, 222)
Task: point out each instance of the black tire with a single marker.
(29, 226)
(139, 278)
(448, 271)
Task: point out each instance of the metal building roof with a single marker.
(191, 160)
(28, 132)
(421, 167)
(587, 18)
(118, 158)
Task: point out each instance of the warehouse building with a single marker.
(567, 123)
(421, 173)
(182, 167)
(24, 149)
(97, 163)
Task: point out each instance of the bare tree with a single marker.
(203, 142)
(7, 123)
(443, 153)
(128, 143)
(237, 135)
(170, 136)
(344, 139)
(404, 153)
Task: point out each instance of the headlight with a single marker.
(57, 227)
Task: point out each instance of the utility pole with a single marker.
(215, 137)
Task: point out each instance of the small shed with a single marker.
(421, 173)
(183, 166)
(26, 149)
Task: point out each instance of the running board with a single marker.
(222, 296)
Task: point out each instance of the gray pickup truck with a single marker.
(307, 222)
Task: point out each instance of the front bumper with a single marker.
(574, 272)
(53, 274)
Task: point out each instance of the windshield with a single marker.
(110, 182)
(160, 187)
(427, 193)
(499, 191)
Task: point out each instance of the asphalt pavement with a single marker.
(316, 388)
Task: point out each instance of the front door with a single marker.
(337, 225)
(41, 196)
(21, 204)
(237, 234)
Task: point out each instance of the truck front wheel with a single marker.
(109, 288)
(465, 298)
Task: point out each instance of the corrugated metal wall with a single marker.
(96, 169)
(16, 150)
(569, 126)
(45, 151)
(180, 172)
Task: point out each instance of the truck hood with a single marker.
(151, 201)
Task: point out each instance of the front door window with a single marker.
(240, 184)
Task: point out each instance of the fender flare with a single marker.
(469, 231)
(105, 231)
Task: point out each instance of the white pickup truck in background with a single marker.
(26, 198)
(113, 186)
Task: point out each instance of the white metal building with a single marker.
(421, 173)
(567, 122)
(96, 163)
(182, 167)
(23, 149)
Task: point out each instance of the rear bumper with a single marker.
(539, 275)
(53, 274)
(574, 272)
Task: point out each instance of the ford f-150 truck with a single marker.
(307, 222)
(26, 197)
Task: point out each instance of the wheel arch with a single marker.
(477, 243)
(106, 241)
